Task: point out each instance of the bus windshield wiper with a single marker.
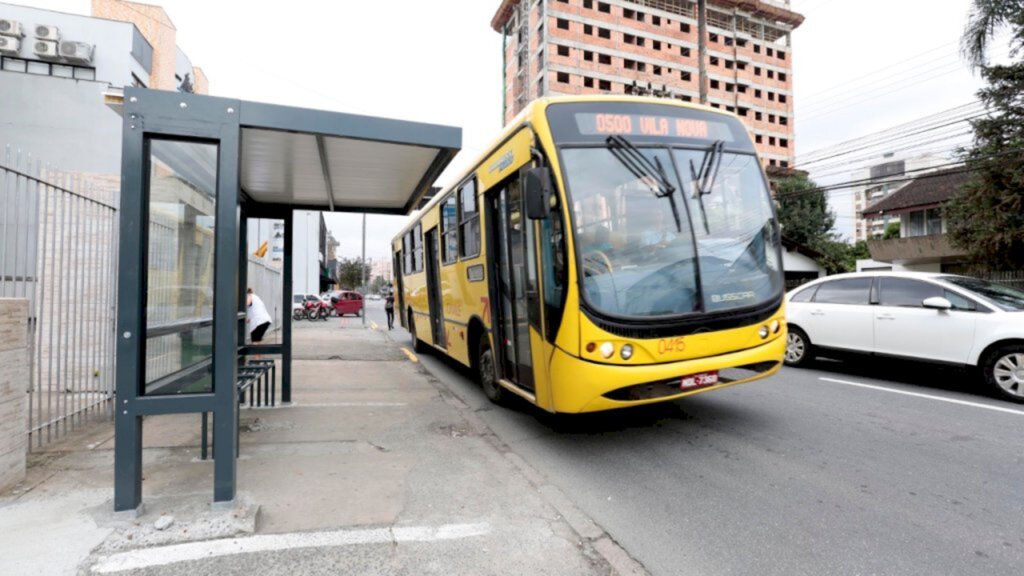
(704, 179)
(650, 173)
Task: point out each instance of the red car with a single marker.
(346, 302)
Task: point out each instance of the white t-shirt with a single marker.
(256, 314)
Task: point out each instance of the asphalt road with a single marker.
(846, 468)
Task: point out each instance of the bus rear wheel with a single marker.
(488, 375)
(417, 344)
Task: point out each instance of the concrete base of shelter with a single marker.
(13, 384)
(372, 444)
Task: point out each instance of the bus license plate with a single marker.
(699, 380)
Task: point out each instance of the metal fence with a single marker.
(58, 250)
(1012, 279)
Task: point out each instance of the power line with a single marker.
(841, 105)
(899, 128)
(835, 169)
(894, 138)
(937, 168)
(911, 145)
(866, 96)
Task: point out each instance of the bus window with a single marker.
(469, 221)
(417, 248)
(449, 230)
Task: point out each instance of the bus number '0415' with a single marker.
(666, 345)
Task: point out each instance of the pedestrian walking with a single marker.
(389, 308)
(257, 319)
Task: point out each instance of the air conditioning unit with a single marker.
(46, 50)
(9, 45)
(11, 28)
(78, 52)
(44, 32)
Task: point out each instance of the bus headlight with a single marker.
(626, 352)
(607, 349)
(763, 332)
(776, 325)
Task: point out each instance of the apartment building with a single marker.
(879, 181)
(649, 47)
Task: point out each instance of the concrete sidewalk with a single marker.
(374, 469)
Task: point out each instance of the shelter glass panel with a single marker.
(180, 265)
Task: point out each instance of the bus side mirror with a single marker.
(538, 193)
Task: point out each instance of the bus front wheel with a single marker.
(488, 375)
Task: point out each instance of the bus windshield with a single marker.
(673, 230)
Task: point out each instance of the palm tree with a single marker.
(988, 17)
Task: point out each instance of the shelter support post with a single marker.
(226, 308)
(286, 317)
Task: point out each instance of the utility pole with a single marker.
(702, 48)
(362, 271)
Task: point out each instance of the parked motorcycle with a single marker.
(316, 310)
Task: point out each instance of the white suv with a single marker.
(938, 318)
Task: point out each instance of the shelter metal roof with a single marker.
(319, 160)
(334, 161)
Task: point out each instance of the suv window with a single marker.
(960, 302)
(845, 291)
(906, 292)
(804, 295)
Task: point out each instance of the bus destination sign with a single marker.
(596, 124)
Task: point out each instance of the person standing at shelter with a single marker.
(389, 308)
(257, 319)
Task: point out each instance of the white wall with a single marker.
(869, 265)
(305, 248)
(306, 252)
(112, 40)
(797, 262)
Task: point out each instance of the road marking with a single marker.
(928, 396)
(347, 404)
(164, 555)
(410, 354)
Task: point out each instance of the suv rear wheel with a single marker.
(1003, 371)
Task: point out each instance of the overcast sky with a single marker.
(859, 66)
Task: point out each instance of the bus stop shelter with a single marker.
(194, 169)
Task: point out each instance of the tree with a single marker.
(803, 211)
(378, 284)
(986, 216)
(807, 219)
(351, 272)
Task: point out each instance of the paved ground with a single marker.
(849, 468)
(375, 469)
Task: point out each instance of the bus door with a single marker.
(513, 292)
(396, 291)
(434, 288)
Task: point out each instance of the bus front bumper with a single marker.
(591, 387)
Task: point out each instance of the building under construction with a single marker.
(650, 47)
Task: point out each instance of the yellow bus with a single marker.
(605, 252)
